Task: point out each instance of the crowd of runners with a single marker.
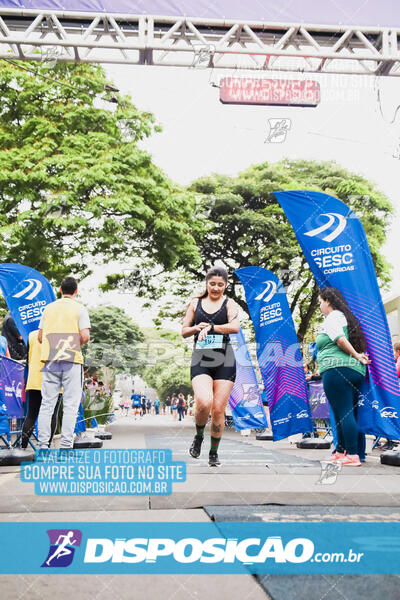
(139, 405)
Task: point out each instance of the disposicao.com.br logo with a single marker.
(206, 548)
(248, 551)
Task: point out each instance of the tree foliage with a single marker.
(168, 364)
(243, 224)
(74, 183)
(115, 341)
(169, 380)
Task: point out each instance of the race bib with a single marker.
(210, 342)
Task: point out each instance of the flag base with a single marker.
(391, 457)
(87, 443)
(265, 436)
(103, 435)
(15, 456)
(313, 444)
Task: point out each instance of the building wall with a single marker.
(392, 309)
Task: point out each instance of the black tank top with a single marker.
(220, 317)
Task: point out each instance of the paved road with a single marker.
(258, 481)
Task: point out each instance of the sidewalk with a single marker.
(252, 472)
(258, 480)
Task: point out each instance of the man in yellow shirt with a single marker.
(63, 329)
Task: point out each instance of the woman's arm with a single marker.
(187, 329)
(345, 345)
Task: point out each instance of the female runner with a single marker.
(210, 318)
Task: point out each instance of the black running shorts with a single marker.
(218, 364)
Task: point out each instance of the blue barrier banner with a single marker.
(26, 292)
(12, 384)
(4, 423)
(336, 248)
(278, 352)
(80, 425)
(245, 399)
(200, 548)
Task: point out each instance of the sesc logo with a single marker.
(29, 295)
(302, 414)
(244, 417)
(191, 550)
(389, 412)
(62, 547)
(333, 218)
(250, 396)
(259, 415)
(268, 292)
(14, 389)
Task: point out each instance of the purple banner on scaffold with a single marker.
(245, 399)
(336, 248)
(12, 384)
(26, 292)
(278, 352)
(344, 12)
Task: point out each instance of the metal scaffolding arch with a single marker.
(182, 41)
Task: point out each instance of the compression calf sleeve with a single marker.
(214, 444)
(200, 430)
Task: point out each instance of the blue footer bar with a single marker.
(222, 547)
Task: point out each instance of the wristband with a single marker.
(211, 332)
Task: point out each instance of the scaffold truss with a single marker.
(182, 41)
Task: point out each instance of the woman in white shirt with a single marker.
(342, 363)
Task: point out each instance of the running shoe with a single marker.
(213, 460)
(349, 461)
(334, 457)
(195, 448)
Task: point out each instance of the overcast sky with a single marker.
(201, 135)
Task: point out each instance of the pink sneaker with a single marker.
(334, 457)
(352, 460)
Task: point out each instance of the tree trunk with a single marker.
(305, 319)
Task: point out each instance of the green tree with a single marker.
(244, 225)
(166, 380)
(74, 184)
(168, 361)
(101, 407)
(115, 344)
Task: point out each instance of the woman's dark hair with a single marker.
(338, 302)
(214, 272)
